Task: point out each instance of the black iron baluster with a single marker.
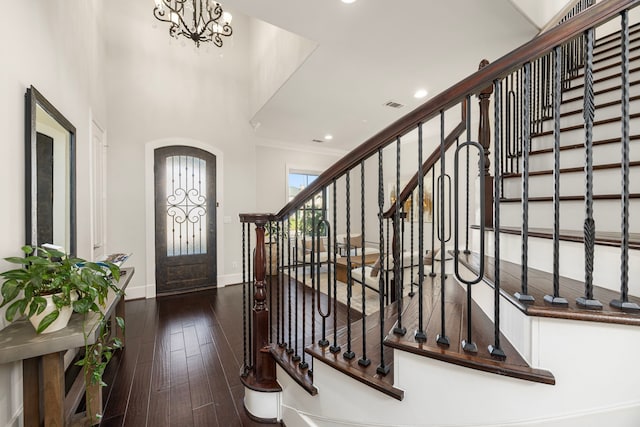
(411, 293)
(556, 299)
(382, 368)
(467, 223)
(285, 233)
(296, 262)
(420, 335)
(303, 364)
(397, 280)
(494, 349)
(289, 347)
(324, 314)
(364, 360)
(385, 261)
(467, 344)
(588, 301)
(270, 284)
(349, 354)
(624, 303)
(523, 295)
(442, 338)
(335, 348)
(278, 282)
(244, 299)
(314, 277)
(433, 220)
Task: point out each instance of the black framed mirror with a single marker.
(50, 175)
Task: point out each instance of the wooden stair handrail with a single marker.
(426, 167)
(473, 84)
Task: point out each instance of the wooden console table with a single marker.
(43, 363)
(356, 261)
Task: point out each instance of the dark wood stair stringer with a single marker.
(540, 283)
(482, 333)
(366, 375)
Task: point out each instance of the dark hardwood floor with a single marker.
(181, 363)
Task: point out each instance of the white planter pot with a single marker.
(60, 322)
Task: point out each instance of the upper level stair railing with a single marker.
(323, 290)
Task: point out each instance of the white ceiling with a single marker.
(374, 51)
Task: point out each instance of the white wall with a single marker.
(275, 54)
(55, 46)
(161, 89)
(273, 164)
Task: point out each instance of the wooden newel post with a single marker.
(265, 367)
(484, 138)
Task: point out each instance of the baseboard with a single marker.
(136, 292)
(229, 279)
(16, 420)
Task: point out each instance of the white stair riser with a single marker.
(603, 154)
(578, 90)
(600, 69)
(577, 136)
(603, 113)
(606, 270)
(606, 215)
(600, 98)
(605, 181)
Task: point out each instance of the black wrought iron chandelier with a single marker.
(198, 20)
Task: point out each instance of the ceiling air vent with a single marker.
(319, 141)
(393, 104)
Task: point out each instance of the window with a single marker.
(312, 212)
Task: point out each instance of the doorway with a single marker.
(185, 219)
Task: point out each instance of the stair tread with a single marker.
(540, 283)
(580, 111)
(456, 328)
(569, 198)
(604, 238)
(570, 170)
(581, 126)
(600, 91)
(581, 145)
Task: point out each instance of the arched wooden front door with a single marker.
(185, 216)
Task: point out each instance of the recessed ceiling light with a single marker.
(328, 137)
(348, 1)
(420, 93)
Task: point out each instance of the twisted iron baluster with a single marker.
(495, 349)
(399, 329)
(296, 355)
(411, 293)
(385, 260)
(285, 233)
(623, 303)
(420, 334)
(244, 301)
(364, 360)
(555, 299)
(278, 282)
(289, 348)
(382, 369)
(335, 348)
(523, 296)
(270, 283)
(588, 301)
(349, 354)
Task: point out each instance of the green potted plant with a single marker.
(49, 285)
